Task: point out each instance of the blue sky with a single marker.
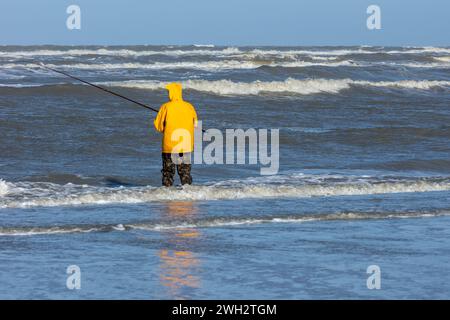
(225, 22)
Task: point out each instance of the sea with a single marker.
(359, 208)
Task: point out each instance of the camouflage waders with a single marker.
(183, 164)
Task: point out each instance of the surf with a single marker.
(3, 188)
(290, 85)
(47, 194)
(216, 222)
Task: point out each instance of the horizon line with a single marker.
(226, 45)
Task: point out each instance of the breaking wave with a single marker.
(216, 222)
(290, 85)
(120, 52)
(3, 188)
(204, 65)
(46, 194)
(442, 59)
(204, 45)
(213, 51)
(228, 64)
(304, 87)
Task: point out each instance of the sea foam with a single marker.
(217, 221)
(213, 51)
(40, 194)
(290, 85)
(3, 188)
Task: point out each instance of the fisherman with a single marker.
(176, 119)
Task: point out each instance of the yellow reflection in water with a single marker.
(178, 264)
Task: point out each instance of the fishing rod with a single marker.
(98, 87)
(101, 88)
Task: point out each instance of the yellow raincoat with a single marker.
(176, 119)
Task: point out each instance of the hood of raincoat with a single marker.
(174, 91)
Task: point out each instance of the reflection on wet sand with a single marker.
(179, 265)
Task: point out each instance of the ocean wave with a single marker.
(303, 87)
(229, 51)
(216, 222)
(408, 84)
(3, 188)
(21, 231)
(28, 85)
(438, 50)
(430, 65)
(223, 65)
(45, 194)
(205, 65)
(204, 45)
(290, 85)
(442, 59)
(120, 52)
(227, 87)
(349, 51)
(213, 51)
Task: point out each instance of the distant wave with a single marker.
(215, 222)
(212, 50)
(205, 65)
(443, 59)
(46, 194)
(119, 52)
(204, 45)
(349, 51)
(28, 85)
(304, 87)
(224, 65)
(420, 50)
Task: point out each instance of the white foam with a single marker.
(3, 188)
(229, 51)
(295, 52)
(323, 58)
(119, 227)
(408, 84)
(204, 45)
(421, 50)
(439, 65)
(44, 231)
(341, 52)
(28, 85)
(303, 64)
(119, 52)
(303, 87)
(204, 65)
(218, 222)
(443, 59)
(223, 65)
(290, 85)
(208, 50)
(227, 87)
(32, 194)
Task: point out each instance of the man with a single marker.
(176, 119)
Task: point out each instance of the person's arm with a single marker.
(160, 120)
